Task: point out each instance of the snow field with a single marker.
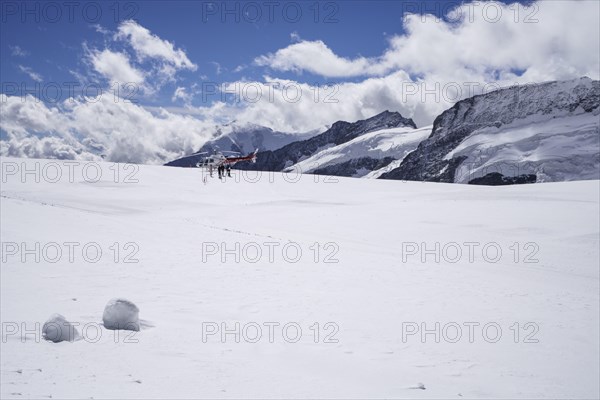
(386, 313)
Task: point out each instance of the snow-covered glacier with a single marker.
(275, 285)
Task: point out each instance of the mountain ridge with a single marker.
(339, 133)
(521, 134)
(501, 112)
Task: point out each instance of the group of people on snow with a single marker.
(221, 170)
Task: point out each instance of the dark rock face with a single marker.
(428, 162)
(351, 167)
(497, 179)
(340, 132)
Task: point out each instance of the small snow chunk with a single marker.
(419, 386)
(58, 329)
(121, 314)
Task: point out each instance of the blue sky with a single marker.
(349, 61)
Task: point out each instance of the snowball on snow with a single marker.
(121, 314)
(58, 329)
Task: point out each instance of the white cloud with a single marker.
(147, 45)
(115, 67)
(18, 51)
(100, 29)
(558, 46)
(32, 74)
(218, 68)
(78, 129)
(181, 94)
(45, 147)
(313, 57)
(291, 106)
(118, 66)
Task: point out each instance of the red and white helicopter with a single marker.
(219, 159)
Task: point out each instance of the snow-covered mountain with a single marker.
(522, 134)
(340, 132)
(248, 137)
(364, 154)
(542, 132)
(242, 138)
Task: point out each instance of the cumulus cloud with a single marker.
(291, 106)
(554, 43)
(115, 66)
(549, 40)
(145, 60)
(85, 129)
(147, 45)
(80, 129)
(313, 57)
(45, 147)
